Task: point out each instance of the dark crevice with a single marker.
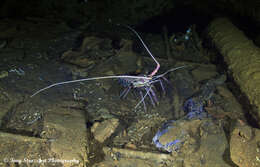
(176, 21)
(250, 111)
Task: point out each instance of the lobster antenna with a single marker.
(158, 65)
(87, 79)
(170, 70)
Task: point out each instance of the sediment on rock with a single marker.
(242, 58)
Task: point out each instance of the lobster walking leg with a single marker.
(150, 96)
(125, 92)
(163, 89)
(154, 96)
(160, 81)
(142, 100)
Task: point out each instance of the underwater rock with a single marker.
(204, 72)
(25, 116)
(242, 58)
(194, 136)
(23, 150)
(92, 50)
(245, 146)
(76, 58)
(119, 154)
(66, 132)
(193, 140)
(210, 146)
(125, 61)
(105, 129)
(174, 134)
(126, 162)
(194, 106)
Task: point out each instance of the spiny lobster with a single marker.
(140, 83)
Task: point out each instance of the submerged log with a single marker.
(242, 58)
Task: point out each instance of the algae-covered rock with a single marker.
(198, 142)
(91, 51)
(103, 130)
(242, 58)
(245, 146)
